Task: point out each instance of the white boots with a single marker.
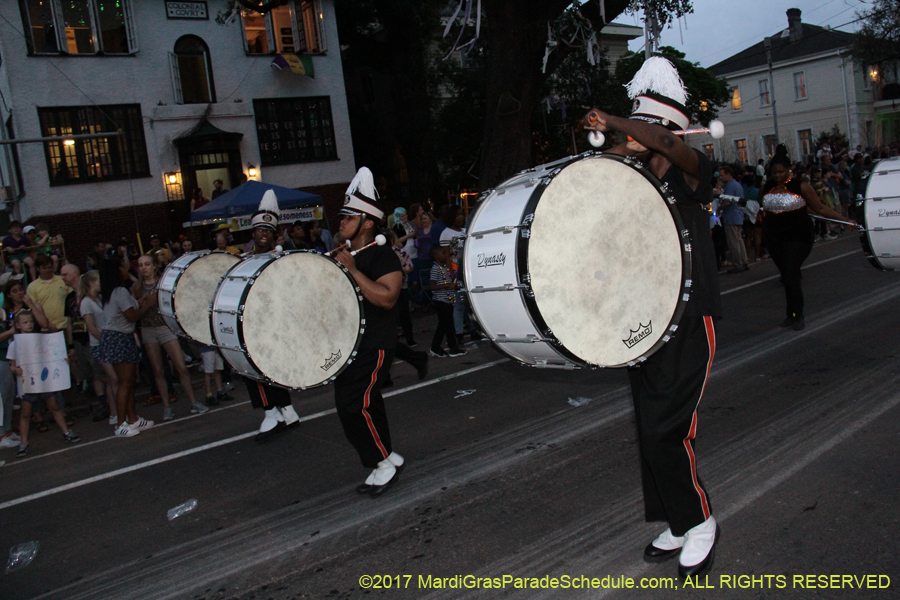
(383, 476)
(695, 549)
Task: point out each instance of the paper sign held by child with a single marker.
(42, 357)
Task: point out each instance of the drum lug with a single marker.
(529, 338)
(526, 233)
(507, 287)
(566, 366)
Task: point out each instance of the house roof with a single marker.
(815, 40)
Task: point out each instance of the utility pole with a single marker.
(649, 29)
(768, 43)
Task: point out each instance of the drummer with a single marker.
(357, 390)
(667, 387)
(276, 401)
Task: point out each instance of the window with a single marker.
(294, 130)
(740, 148)
(769, 143)
(764, 92)
(293, 28)
(710, 151)
(192, 71)
(735, 98)
(94, 159)
(799, 86)
(79, 26)
(805, 137)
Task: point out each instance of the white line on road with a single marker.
(209, 446)
(765, 279)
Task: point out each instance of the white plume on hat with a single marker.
(269, 203)
(659, 76)
(363, 182)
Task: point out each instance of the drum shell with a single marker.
(881, 216)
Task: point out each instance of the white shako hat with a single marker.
(360, 197)
(659, 95)
(268, 213)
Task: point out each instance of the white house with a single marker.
(813, 87)
(197, 99)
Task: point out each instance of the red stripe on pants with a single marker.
(711, 339)
(365, 413)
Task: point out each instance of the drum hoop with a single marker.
(866, 241)
(523, 241)
(195, 256)
(272, 257)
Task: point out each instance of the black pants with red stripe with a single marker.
(360, 405)
(267, 396)
(666, 390)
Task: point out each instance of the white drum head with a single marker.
(301, 320)
(605, 261)
(195, 290)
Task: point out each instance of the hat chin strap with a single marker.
(362, 219)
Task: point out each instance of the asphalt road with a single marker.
(797, 442)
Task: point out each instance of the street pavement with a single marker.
(505, 478)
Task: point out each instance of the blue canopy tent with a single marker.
(237, 206)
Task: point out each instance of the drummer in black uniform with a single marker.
(667, 387)
(276, 401)
(357, 390)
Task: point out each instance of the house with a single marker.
(814, 85)
(196, 97)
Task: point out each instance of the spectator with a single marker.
(443, 288)
(218, 189)
(106, 384)
(403, 300)
(212, 365)
(15, 299)
(297, 238)
(222, 245)
(405, 232)
(82, 370)
(47, 244)
(187, 246)
(197, 199)
(8, 438)
(760, 168)
(424, 243)
(454, 219)
(50, 291)
(157, 247)
(157, 336)
(15, 249)
(24, 323)
(314, 240)
(733, 219)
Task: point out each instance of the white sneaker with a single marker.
(10, 441)
(198, 408)
(113, 419)
(141, 424)
(124, 430)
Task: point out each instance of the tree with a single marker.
(878, 40)
(706, 92)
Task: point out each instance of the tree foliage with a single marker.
(878, 40)
(706, 91)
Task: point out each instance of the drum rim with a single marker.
(271, 257)
(194, 255)
(521, 257)
(864, 239)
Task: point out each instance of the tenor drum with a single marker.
(292, 319)
(186, 290)
(583, 262)
(880, 234)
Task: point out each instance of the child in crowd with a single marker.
(47, 245)
(212, 370)
(14, 249)
(24, 323)
(443, 285)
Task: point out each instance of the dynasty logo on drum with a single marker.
(333, 359)
(491, 261)
(639, 334)
(888, 213)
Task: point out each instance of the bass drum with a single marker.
(292, 319)
(880, 233)
(186, 290)
(583, 262)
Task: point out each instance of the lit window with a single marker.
(764, 92)
(735, 98)
(80, 27)
(293, 28)
(799, 86)
(294, 130)
(805, 137)
(710, 151)
(740, 148)
(192, 71)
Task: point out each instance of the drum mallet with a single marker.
(716, 130)
(379, 240)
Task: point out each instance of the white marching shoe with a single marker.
(699, 549)
(664, 547)
(290, 416)
(383, 476)
(272, 424)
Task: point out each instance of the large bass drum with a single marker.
(880, 234)
(292, 319)
(186, 290)
(583, 262)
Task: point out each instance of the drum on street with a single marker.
(880, 232)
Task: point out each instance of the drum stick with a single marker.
(343, 246)
(716, 130)
(379, 241)
(836, 221)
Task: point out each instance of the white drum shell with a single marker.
(882, 215)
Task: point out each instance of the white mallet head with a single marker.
(278, 248)
(380, 239)
(596, 138)
(716, 129)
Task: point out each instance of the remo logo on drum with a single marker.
(333, 359)
(640, 333)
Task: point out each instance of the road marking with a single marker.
(209, 446)
(765, 279)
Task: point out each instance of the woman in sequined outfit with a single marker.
(788, 230)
